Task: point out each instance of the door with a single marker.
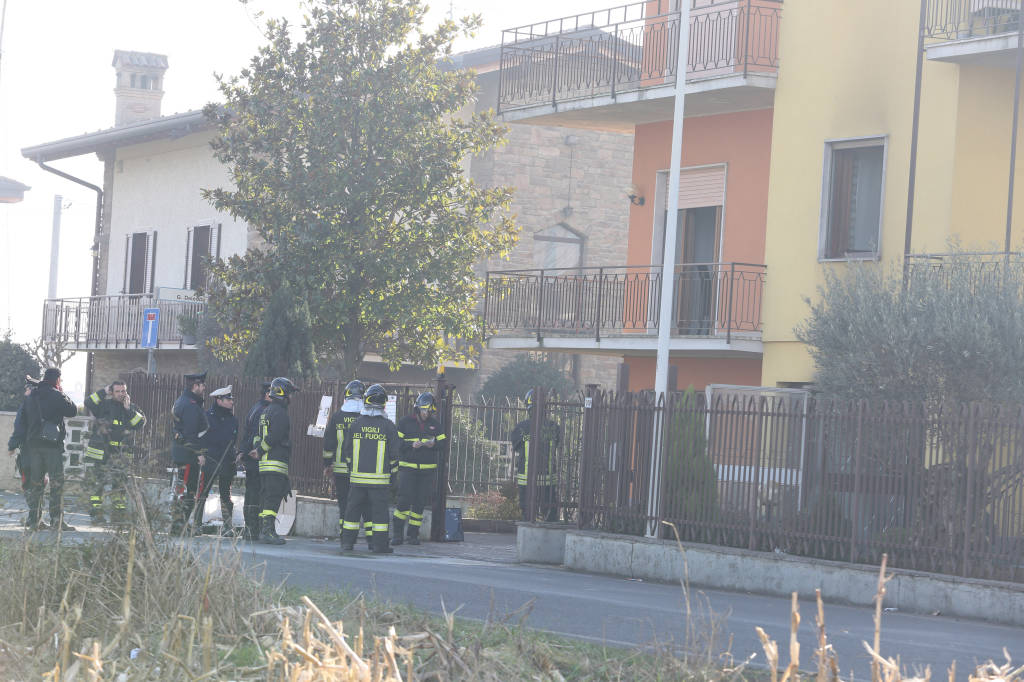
(696, 265)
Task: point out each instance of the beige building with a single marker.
(155, 228)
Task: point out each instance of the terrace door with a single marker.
(696, 259)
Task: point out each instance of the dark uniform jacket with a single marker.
(252, 431)
(371, 451)
(412, 430)
(275, 445)
(45, 402)
(542, 456)
(334, 437)
(189, 422)
(113, 422)
(219, 439)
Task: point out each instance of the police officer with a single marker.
(275, 450)
(334, 437)
(371, 451)
(420, 435)
(249, 457)
(187, 450)
(43, 448)
(219, 443)
(114, 416)
(540, 455)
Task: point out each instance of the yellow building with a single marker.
(842, 139)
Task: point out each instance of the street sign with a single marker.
(150, 326)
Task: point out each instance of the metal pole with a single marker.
(58, 202)
(1013, 133)
(669, 256)
(915, 129)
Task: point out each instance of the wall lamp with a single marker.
(633, 192)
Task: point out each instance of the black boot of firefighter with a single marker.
(268, 534)
(397, 530)
(414, 535)
(380, 544)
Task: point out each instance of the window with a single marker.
(201, 246)
(139, 262)
(852, 199)
(557, 247)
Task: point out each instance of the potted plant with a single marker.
(188, 324)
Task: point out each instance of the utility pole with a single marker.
(58, 202)
(668, 267)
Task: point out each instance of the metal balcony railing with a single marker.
(711, 300)
(634, 47)
(962, 19)
(110, 322)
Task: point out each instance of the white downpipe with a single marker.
(668, 260)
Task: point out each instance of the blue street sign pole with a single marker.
(150, 336)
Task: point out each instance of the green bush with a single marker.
(690, 480)
(15, 364)
(525, 372)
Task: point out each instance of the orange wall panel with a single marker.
(742, 141)
(697, 371)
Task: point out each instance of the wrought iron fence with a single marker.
(710, 300)
(962, 19)
(938, 490)
(634, 46)
(114, 321)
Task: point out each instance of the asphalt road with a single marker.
(627, 612)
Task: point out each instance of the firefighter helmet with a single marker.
(375, 396)
(425, 401)
(281, 388)
(354, 389)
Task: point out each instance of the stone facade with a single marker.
(109, 365)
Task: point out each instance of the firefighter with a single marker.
(249, 457)
(275, 450)
(42, 448)
(371, 452)
(334, 437)
(541, 456)
(420, 435)
(115, 415)
(219, 441)
(187, 449)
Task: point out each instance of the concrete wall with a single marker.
(109, 365)
(768, 573)
(9, 478)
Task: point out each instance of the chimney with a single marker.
(140, 79)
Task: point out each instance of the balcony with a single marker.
(972, 31)
(115, 322)
(616, 68)
(614, 310)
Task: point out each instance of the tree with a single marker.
(345, 148)
(284, 346)
(49, 352)
(955, 333)
(523, 373)
(15, 364)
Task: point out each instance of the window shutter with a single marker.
(215, 242)
(127, 257)
(188, 259)
(151, 262)
(699, 187)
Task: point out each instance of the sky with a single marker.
(56, 81)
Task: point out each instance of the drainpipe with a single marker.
(668, 266)
(913, 141)
(96, 231)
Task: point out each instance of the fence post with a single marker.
(732, 278)
(969, 461)
(438, 519)
(554, 76)
(615, 58)
(540, 304)
(600, 290)
(487, 296)
(533, 451)
(590, 402)
(857, 456)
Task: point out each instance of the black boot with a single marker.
(348, 540)
(397, 530)
(414, 535)
(268, 535)
(380, 543)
